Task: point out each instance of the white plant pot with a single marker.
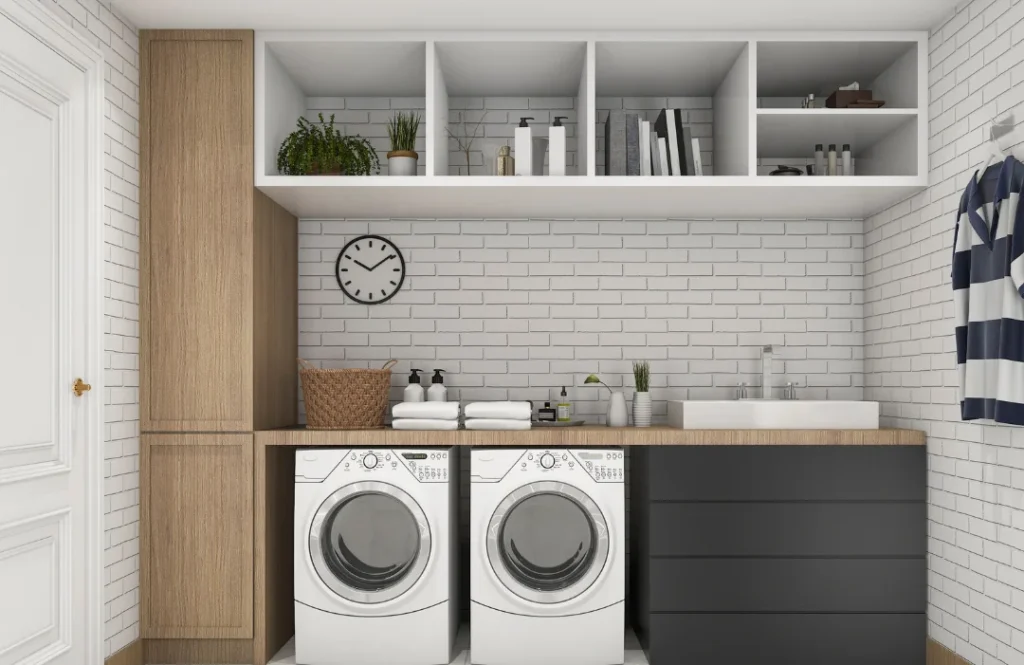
(617, 414)
(402, 162)
(642, 410)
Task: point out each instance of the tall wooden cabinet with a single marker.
(218, 328)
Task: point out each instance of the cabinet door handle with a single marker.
(80, 387)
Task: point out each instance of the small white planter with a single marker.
(402, 162)
(642, 410)
(617, 414)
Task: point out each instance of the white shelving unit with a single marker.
(743, 87)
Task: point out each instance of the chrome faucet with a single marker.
(766, 371)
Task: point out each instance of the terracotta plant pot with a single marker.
(402, 162)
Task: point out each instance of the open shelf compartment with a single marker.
(706, 82)
(361, 83)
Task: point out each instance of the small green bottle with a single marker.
(564, 407)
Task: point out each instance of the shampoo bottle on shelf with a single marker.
(556, 147)
(524, 147)
(564, 407)
(819, 159)
(833, 168)
(414, 391)
(847, 160)
(437, 392)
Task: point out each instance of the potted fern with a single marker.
(320, 149)
(402, 157)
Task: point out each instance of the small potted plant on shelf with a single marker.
(616, 403)
(642, 397)
(320, 149)
(402, 157)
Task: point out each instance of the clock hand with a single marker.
(363, 266)
(382, 261)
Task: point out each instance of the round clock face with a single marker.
(370, 270)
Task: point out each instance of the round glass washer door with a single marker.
(547, 542)
(369, 542)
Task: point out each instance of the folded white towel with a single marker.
(424, 424)
(428, 410)
(499, 410)
(497, 424)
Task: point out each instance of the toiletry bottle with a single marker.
(414, 391)
(847, 160)
(832, 166)
(437, 391)
(819, 159)
(564, 407)
(547, 414)
(524, 147)
(556, 146)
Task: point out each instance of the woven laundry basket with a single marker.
(345, 398)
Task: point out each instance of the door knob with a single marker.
(80, 387)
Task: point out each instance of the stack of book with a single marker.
(634, 146)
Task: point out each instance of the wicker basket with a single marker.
(345, 398)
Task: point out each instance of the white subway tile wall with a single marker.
(975, 471)
(517, 309)
(119, 42)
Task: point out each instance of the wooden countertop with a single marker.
(592, 436)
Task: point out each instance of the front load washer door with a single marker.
(547, 542)
(369, 542)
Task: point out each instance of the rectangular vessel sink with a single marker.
(772, 414)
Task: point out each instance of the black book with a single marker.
(685, 147)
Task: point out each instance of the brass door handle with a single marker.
(80, 387)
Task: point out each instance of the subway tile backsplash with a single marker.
(516, 309)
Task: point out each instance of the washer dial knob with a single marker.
(547, 460)
(369, 460)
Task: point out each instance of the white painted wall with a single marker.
(975, 470)
(119, 42)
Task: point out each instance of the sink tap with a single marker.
(766, 371)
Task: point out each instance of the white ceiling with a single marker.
(538, 14)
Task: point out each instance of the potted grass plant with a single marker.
(402, 130)
(320, 149)
(642, 396)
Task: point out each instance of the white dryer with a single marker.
(547, 556)
(375, 556)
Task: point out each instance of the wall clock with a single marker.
(370, 270)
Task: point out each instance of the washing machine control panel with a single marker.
(604, 466)
(426, 465)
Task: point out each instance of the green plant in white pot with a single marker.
(642, 396)
(402, 130)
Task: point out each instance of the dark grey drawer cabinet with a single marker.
(779, 555)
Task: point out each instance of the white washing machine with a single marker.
(375, 556)
(547, 556)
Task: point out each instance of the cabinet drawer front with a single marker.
(196, 225)
(788, 585)
(197, 535)
(786, 473)
(787, 529)
(788, 639)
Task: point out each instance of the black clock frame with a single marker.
(337, 270)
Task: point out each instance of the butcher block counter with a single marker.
(592, 436)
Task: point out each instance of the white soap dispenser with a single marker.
(524, 147)
(556, 146)
(414, 391)
(437, 391)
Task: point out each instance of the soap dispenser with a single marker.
(524, 147)
(556, 146)
(437, 392)
(414, 391)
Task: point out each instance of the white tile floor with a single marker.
(634, 654)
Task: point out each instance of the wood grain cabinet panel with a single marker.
(197, 538)
(197, 230)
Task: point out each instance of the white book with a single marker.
(673, 142)
(655, 155)
(663, 155)
(698, 168)
(645, 148)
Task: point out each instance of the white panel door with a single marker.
(48, 312)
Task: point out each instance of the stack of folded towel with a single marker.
(498, 415)
(425, 415)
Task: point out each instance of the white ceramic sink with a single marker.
(772, 414)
